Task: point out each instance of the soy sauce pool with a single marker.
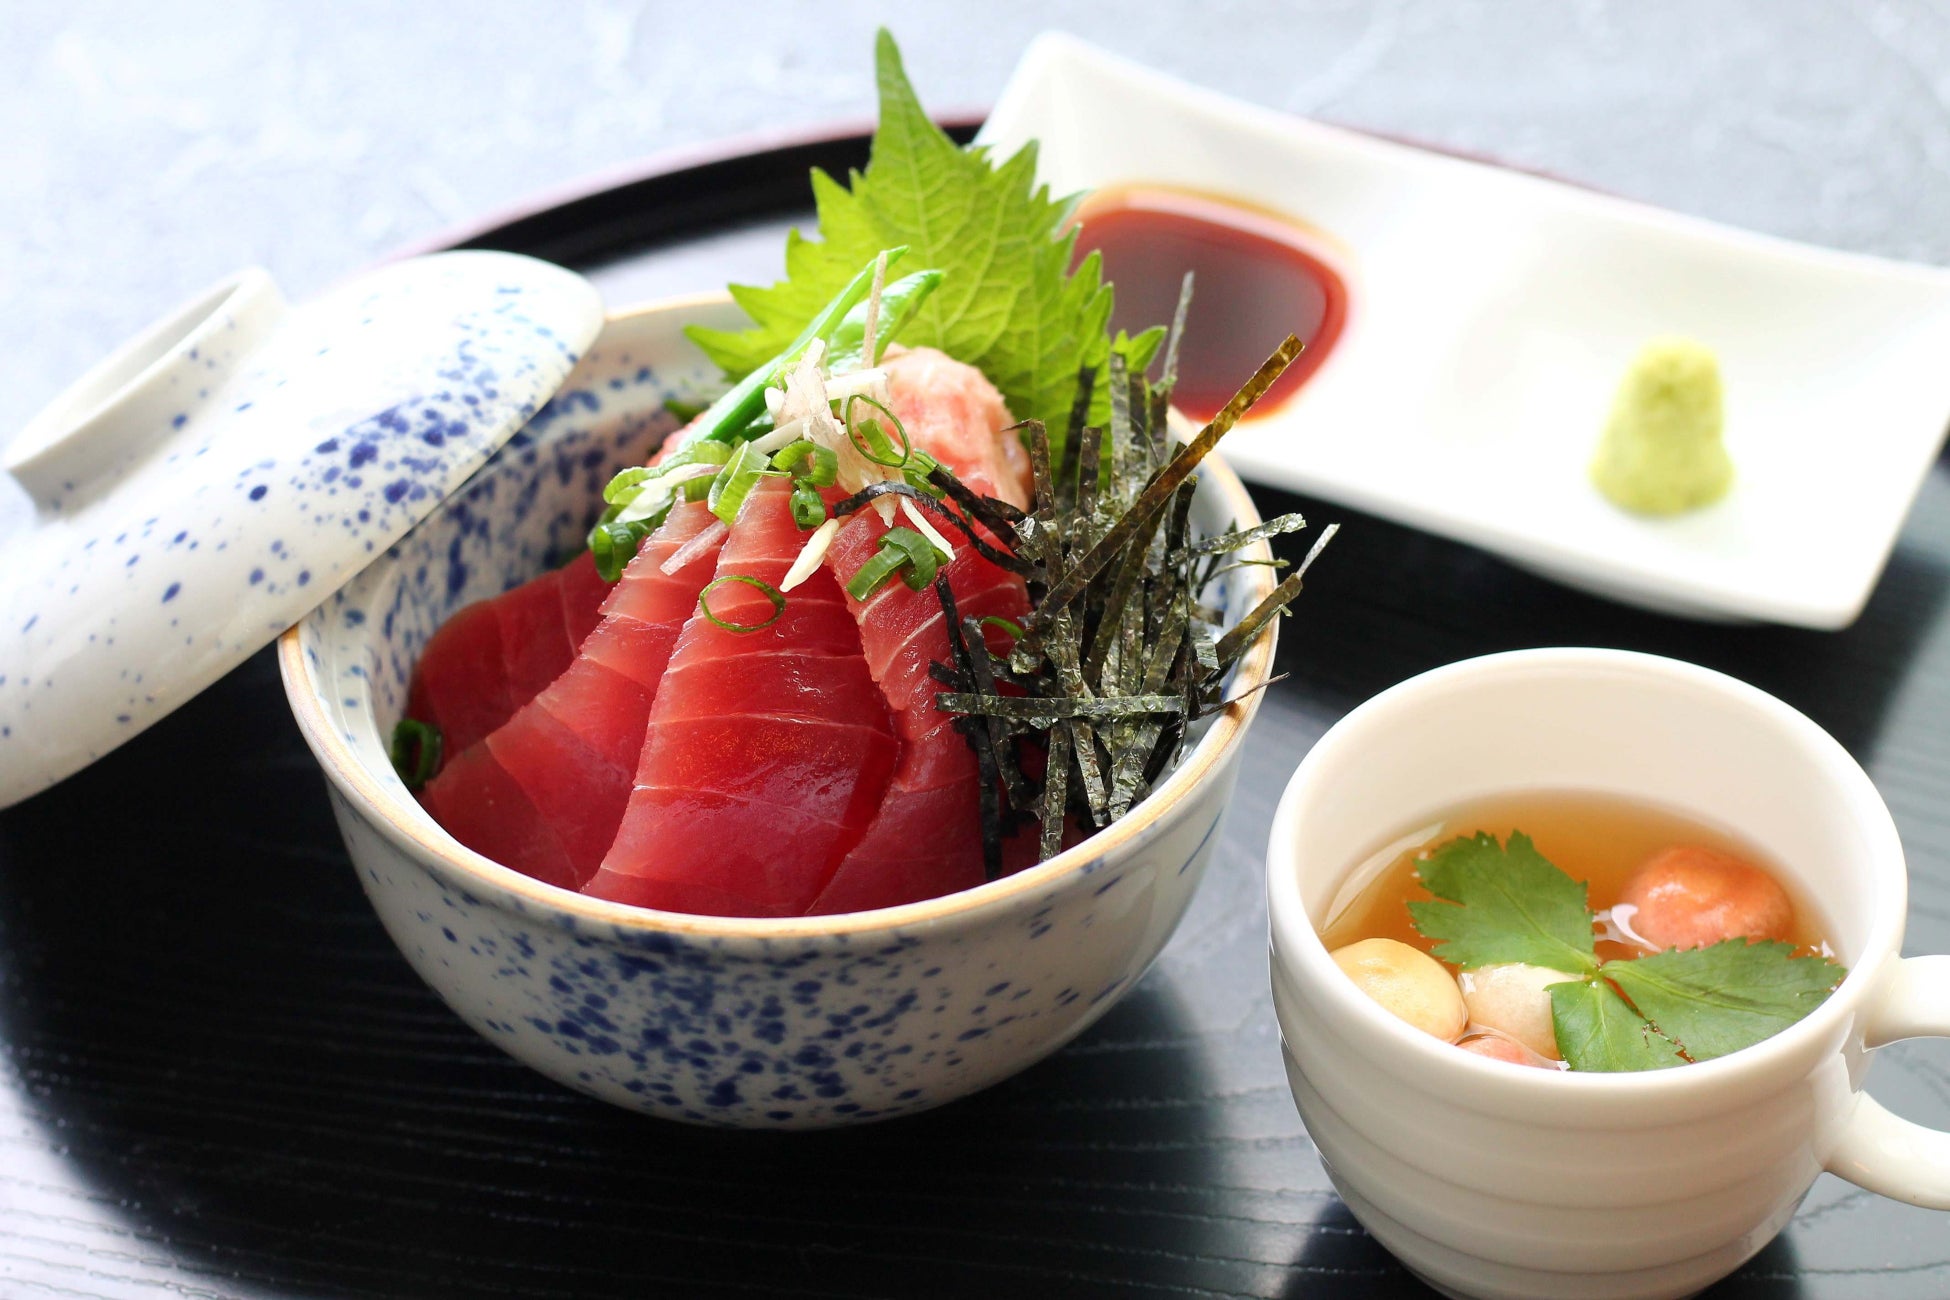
(1258, 278)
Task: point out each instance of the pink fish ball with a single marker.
(1498, 1049)
(1689, 897)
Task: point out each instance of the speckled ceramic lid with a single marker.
(219, 475)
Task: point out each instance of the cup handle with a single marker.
(1881, 1151)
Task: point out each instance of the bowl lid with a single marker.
(229, 468)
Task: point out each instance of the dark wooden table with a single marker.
(218, 1078)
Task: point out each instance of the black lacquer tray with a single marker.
(218, 1078)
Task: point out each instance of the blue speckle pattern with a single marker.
(767, 1028)
(312, 452)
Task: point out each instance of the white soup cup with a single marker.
(1493, 1180)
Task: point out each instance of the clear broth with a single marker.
(1597, 838)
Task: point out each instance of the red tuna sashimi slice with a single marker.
(926, 839)
(571, 751)
(472, 677)
(583, 592)
(766, 750)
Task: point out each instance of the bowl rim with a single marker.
(392, 811)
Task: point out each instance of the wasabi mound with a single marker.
(1662, 452)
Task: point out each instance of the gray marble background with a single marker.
(147, 149)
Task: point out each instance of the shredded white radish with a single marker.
(872, 382)
(697, 546)
(810, 555)
(926, 529)
(773, 400)
(786, 434)
(872, 324)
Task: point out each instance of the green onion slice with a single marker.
(917, 470)
(415, 751)
(629, 486)
(624, 488)
(1010, 626)
(764, 588)
(613, 543)
(735, 482)
(922, 558)
(869, 436)
(808, 507)
(900, 548)
(825, 462)
(698, 453)
(875, 572)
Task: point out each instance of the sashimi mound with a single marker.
(914, 603)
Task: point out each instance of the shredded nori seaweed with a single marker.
(1120, 653)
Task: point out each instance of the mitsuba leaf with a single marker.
(1008, 302)
(1597, 1030)
(1505, 903)
(1730, 995)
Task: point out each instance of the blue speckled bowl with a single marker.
(799, 1023)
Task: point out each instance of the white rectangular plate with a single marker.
(1491, 316)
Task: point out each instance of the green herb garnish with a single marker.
(639, 499)
(808, 507)
(415, 751)
(732, 484)
(807, 459)
(1504, 904)
(1007, 302)
(869, 435)
(612, 545)
(902, 551)
(742, 403)
(1508, 903)
(898, 303)
(1598, 1030)
(763, 588)
(1727, 996)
